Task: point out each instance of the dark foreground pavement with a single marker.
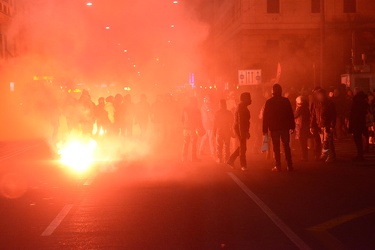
(161, 204)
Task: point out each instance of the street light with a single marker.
(89, 4)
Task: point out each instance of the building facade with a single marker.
(314, 41)
(7, 43)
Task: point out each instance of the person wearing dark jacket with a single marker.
(357, 122)
(223, 123)
(323, 118)
(191, 124)
(315, 131)
(302, 117)
(278, 118)
(242, 130)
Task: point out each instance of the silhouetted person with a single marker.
(119, 114)
(357, 122)
(315, 130)
(323, 118)
(110, 109)
(241, 130)
(278, 118)
(302, 117)
(208, 115)
(142, 115)
(223, 127)
(192, 124)
(87, 117)
(128, 110)
(101, 116)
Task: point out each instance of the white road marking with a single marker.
(274, 218)
(57, 221)
(17, 152)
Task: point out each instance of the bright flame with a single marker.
(78, 154)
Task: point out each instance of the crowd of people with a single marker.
(314, 119)
(219, 126)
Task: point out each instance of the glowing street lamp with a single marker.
(89, 4)
(107, 28)
(175, 2)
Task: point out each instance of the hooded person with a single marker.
(242, 130)
(278, 118)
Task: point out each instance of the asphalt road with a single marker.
(158, 203)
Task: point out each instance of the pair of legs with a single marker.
(317, 145)
(304, 149)
(284, 137)
(190, 137)
(358, 140)
(328, 146)
(209, 136)
(223, 146)
(239, 152)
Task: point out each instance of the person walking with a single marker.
(302, 117)
(241, 130)
(208, 124)
(357, 122)
(278, 118)
(192, 124)
(323, 118)
(223, 124)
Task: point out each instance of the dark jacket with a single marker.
(323, 115)
(242, 120)
(302, 117)
(358, 113)
(278, 115)
(223, 123)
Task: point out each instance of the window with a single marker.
(350, 6)
(273, 6)
(315, 6)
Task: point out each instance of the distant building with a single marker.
(7, 43)
(259, 34)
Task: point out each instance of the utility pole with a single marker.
(322, 41)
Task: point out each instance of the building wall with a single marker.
(247, 36)
(7, 44)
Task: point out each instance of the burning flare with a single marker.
(77, 153)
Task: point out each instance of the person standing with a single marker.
(323, 119)
(142, 114)
(208, 124)
(302, 117)
(357, 122)
(223, 124)
(278, 118)
(241, 130)
(192, 124)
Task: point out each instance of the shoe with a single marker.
(244, 169)
(276, 169)
(231, 164)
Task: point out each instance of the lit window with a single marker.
(273, 6)
(350, 6)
